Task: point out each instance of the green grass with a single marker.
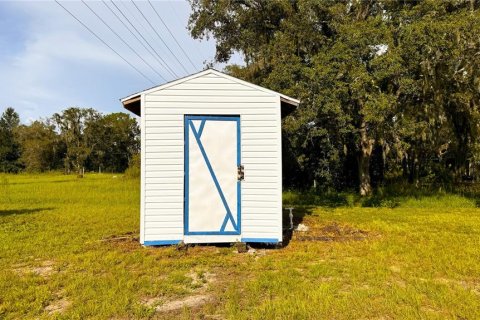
(421, 258)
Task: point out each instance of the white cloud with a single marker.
(54, 62)
(35, 79)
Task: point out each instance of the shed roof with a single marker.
(133, 104)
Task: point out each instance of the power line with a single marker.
(136, 37)
(204, 56)
(139, 22)
(161, 39)
(148, 43)
(111, 29)
(147, 34)
(168, 29)
(90, 30)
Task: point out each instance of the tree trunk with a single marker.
(405, 166)
(412, 172)
(365, 154)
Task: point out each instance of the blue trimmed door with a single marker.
(212, 187)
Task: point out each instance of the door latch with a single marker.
(240, 173)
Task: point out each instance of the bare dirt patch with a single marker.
(430, 309)
(150, 302)
(126, 242)
(44, 269)
(467, 285)
(331, 232)
(121, 238)
(257, 253)
(395, 269)
(57, 306)
(200, 281)
(193, 301)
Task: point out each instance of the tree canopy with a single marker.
(9, 149)
(389, 89)
(73, 140)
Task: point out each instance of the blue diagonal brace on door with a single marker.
(215, 181)
(224, 224)
(200, 130)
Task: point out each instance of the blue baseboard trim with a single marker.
(212, 233)
(261, 240)
(161, 242)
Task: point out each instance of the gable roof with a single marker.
(132, 102)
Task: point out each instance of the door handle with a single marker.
(240, 173)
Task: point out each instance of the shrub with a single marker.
(133, 170)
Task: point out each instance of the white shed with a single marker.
(211, 160)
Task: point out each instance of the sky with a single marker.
(49, 61)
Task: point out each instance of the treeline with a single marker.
(390, 90)
(74, 140)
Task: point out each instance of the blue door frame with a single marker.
(189, 126)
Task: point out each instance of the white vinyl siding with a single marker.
(163, 113)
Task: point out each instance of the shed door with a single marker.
(212, 186)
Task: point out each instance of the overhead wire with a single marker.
(105, 43)
(165, 64)
(138, 21)
(136, 37)
(171, 34)
(161, 39)
(119, 37)
(199, 47)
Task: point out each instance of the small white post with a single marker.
(290, 215)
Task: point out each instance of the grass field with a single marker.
(68, 251)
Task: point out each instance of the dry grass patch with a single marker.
(332, 231)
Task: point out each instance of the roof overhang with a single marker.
(133, 105)
(287, 106)
(133, 102)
